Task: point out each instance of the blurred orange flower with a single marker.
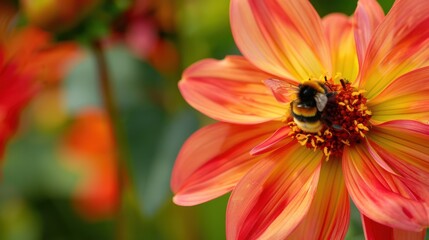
(292, 158)
(90, 150)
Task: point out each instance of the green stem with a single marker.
(113, 116)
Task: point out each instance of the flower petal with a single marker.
(367, 17)
(384, 197)
(374, 231)
(281, 37)
(339, 31)
(230, 90)
(278, 139)
(403, 147)
(275, 195)
(329, 214)
(214, 158)
(399, 45)
(405, 98)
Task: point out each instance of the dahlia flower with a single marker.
(373, 145)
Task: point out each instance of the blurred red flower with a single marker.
(145, 27)
(90, 150)
(15, 91)
(27, 59)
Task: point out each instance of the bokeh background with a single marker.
(59, 174)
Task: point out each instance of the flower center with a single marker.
(344, 120)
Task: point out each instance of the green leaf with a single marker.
(174, 134)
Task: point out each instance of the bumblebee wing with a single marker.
(283, 91)
(321, 101)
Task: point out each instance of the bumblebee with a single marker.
(307, 109)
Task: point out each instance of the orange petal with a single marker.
(405, 98)
(367, 17)
(376, 231)
(284, 38)
(270, 201)
(339, 31)
(384, 197)
(278, 139)
(329, 214)
(214, 158)
(403, 147)
(399, 45)
(230, 90)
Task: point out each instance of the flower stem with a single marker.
(113, 117)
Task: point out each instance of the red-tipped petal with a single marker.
(376, 231)
(277, 140)
(368, 15)
(339, 32)
(384, 197)
(230, 90)
(214, 158)
(329, 214)
(405, 98)
(271, 200)
(281, 37)
(399, 45)
(402, 145)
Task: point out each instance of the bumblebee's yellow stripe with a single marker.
(317, 85)
(305, 112)
(309, 126)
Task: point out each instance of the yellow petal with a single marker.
(367, 17)
(329, 214)
(339, 31)
(284, 38)
(399, 45)
(405, 98)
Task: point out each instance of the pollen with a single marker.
(345, 121)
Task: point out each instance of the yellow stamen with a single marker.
(362, 127)
(327, 153)
(313, 143)
(327, 133)
(319, 139)
(346, 142)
